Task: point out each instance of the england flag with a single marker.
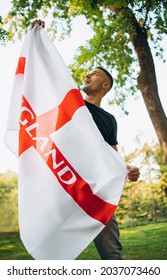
(70, 179)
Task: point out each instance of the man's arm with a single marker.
(115, 148)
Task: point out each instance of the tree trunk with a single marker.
(147, 81)
(131, 205)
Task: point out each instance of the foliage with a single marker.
(3, 33)
(162, 183)
(145, 201)
(8, 201)
(111, 24)
(139, 243)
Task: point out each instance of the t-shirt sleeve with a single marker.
(112, 135)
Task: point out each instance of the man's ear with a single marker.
(106, 86)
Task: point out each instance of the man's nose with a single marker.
(88, 75)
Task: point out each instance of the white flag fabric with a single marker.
(70, 179)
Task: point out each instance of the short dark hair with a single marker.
(108, 74)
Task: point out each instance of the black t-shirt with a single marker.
(105, 122)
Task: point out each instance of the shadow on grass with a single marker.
(11, 247)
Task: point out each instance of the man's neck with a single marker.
(93, 99)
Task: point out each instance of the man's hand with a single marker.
(38, 22)
(133, 173)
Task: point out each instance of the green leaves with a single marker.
(115, 27)
(3, 33)
(8, 201)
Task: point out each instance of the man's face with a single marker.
(94, 81)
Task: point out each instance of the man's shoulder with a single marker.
(93, 109)
(109, 115)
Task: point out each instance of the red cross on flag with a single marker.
(70, 179)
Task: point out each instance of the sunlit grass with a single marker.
(147, 242)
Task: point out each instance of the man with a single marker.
(96, 85)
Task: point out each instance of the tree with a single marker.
(124, 34)
(163, 173)
(145, 200)
(8, 201)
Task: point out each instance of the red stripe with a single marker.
(80, 190)
(60, 115)
(21, 65)
(51, 120)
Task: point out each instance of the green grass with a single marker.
(147, 242)
(11, 247)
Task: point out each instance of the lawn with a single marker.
(147, 242)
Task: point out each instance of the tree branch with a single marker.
(147, 12)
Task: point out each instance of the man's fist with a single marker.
(38, 22)
(133, 173)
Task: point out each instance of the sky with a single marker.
(136, 123)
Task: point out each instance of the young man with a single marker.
(96, 85)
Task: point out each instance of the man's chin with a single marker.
(86, 89)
